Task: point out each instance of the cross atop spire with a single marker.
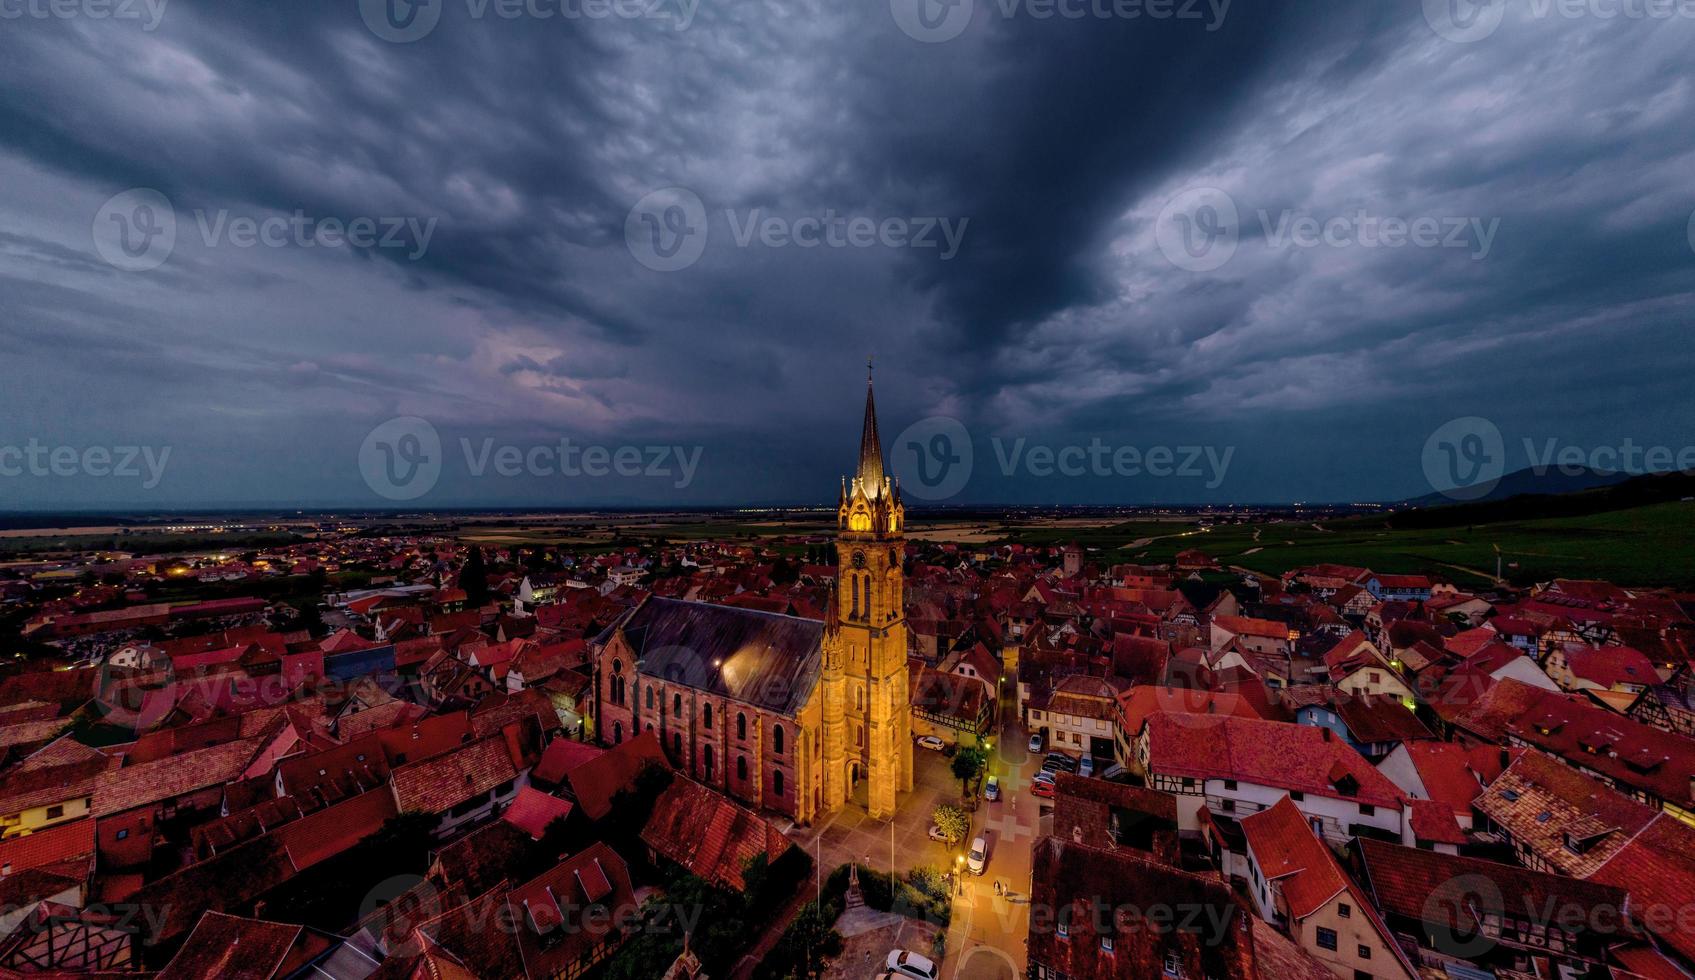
(870, 447)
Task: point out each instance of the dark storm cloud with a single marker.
(1052, 143)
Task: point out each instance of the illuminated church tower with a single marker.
(867, 715)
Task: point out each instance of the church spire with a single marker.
(870, 447)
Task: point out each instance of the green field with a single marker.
(1645, 546)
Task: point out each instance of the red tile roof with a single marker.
(1137, 703)
(597, 780)
(1287, 853)
(533, 810)
(1433, 821)
(228, 947)
(1269, 753)
(317, 837)
(1428, 886)
(710, 835)
(49, 846)
(561, 757)
(1452, 774)
(151, 782)
(439, 784)
(1657, 868)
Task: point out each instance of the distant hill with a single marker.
(1527, 481)
(1527, 495)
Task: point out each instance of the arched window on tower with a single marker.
(741, 768)
(777, 782)
(777, 739)
(741, 726)
(707, 760)
(855, 613)
(706, 715)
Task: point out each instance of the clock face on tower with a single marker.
(859, 559)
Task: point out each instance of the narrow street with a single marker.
(986, 937)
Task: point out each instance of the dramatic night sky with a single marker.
(523, 143)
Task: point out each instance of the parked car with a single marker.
(932, 743)
(1042, 788)
(992, 789)
(1060, 759)
(1116, 773)
(978, 861)
(936, 834)
(1036, 742)
(1045, 776)
(906, 963)
(1087, 766)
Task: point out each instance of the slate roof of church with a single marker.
(763, 659)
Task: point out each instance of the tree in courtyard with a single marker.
(968, 764)
(953, 822)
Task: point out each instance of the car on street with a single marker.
(992, 789)
(1042, 788)
(936, 834)
(905, 963)
(1087, 766)
(978, 861)
(1045, 776)
(1036, 742)
(932, 743)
